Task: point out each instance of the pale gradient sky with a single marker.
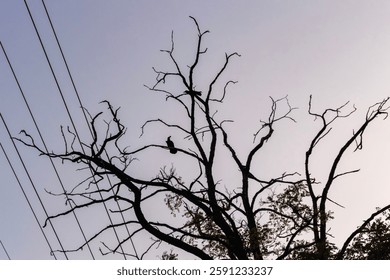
(335, 50)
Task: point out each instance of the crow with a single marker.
(171, 146)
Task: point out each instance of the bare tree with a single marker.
(285, 217)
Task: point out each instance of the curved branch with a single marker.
(341, 253)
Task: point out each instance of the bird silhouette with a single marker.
(171, 146)
(193, 92)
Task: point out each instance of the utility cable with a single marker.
(82, 108)
(28, 201)
(43, 141)
(2, 245)
(71, 119)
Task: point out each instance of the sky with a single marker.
(336, 51)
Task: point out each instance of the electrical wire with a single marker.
(2, 245)
(28, 201)
(42, 139)
(70, 118)
(82, 106)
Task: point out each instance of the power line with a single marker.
(32, 184)
(66, 64)
(2, 245)
(82, 106)
(71, 118)
(28, 201)
(42, 139)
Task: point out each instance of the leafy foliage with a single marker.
(373, 242)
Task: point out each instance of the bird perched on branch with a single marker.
(171, 146)
(193, 92)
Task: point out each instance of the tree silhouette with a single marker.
(286, 217)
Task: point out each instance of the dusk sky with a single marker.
(336, 51)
